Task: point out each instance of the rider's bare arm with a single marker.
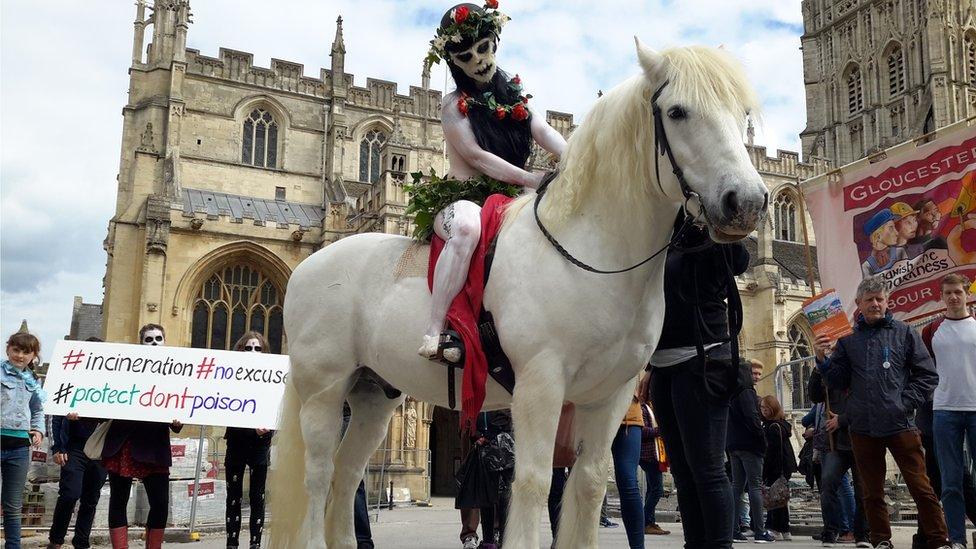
(457, 132)
(546, 136)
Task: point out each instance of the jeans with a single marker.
(747, 474)
(845, 493)
(81, 480)
(949, 430)
(626, 453)
(834, 468)
(654, 492)
(906, 448)
(693, 421)
(364, 535)
(13, 469)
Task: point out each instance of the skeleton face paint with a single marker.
(253, 345)
(478, 61)
(153, 337)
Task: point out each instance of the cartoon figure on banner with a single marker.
(961, 239)
(927, 235)
(906, 224)
(883, 235)
(489, 130)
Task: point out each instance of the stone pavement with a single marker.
(437, 527)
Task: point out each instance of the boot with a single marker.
(119, 537)
(154, 538)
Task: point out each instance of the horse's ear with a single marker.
(651, 61)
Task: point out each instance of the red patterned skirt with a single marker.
(123, 464)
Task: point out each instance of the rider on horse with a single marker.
(489, 131)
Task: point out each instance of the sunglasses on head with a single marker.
(254, 348)
(150, 339)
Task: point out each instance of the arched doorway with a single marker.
(234, 299)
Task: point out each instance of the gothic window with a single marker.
(855, 92)
(260, 140)
(896, 71)
(232, 301)
(970, 46)
(800, 348)
(369, 156)
(784, 217)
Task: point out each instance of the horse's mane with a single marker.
(616, 141)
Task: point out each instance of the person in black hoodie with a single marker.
(247, 448)
(495, 437)
(693, 377)
(779, 462)
(746, 445)
(81, 478)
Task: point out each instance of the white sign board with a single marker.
(149, 383)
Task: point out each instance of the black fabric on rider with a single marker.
(508, 138)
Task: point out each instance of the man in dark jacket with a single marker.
(889, 374)
(746, 444)
(81, 479)
(836, 462)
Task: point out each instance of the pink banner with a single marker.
(909, 218)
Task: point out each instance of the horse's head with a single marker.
(701, 102)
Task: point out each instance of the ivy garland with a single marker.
(487, 100)
(431, 196)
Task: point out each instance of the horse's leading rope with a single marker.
(664, 148)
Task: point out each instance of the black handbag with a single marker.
(476, 486)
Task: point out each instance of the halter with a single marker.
(662, 148)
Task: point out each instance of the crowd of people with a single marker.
(128, 450)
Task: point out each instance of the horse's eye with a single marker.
(677, 113)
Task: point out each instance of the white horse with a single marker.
(571, 335)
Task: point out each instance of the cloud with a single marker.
(61, 96)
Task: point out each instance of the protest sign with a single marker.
(825, 312)
(909, 218)
(150, 383)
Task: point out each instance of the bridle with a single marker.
(663, 147)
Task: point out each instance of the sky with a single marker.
(64, 81)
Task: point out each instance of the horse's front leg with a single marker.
(595, 426)
(536, 403)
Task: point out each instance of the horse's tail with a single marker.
(287, 482)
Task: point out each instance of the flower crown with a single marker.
(466, 24)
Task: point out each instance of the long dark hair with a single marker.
(509, 139)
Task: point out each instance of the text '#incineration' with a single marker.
(208, 369)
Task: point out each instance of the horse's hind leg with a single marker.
(535, 412)
(595, 426)
(321, 421)
(371, 412)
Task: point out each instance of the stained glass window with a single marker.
(260, 142)
(233, 301)
(369, 156)
(800, 348)
(784, 217)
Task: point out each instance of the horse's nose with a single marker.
(730, 205)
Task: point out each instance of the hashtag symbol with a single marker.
(73, 359)
(204, 368)
(63, 392)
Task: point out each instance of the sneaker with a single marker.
(829, 539)
(884, 545)
(654, 530)
(739, 537)
(470, 542)
(862, 544)
(765, 537)
(607, 523)
(846, 538)
(787, 536)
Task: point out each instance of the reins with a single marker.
(663, 148)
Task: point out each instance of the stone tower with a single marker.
(879, 72)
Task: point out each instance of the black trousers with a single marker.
(235, 462)
(364, 535)
(693, 417)
(81, 480)
(497, 513)
(555, 502)
(157, 491)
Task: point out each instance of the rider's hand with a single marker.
(833, 423)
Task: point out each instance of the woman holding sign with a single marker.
(247, 448)
(139, 449)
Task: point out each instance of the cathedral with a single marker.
(231, 174)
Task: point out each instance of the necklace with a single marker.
(488, 101)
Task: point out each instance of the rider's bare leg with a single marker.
(460, 226)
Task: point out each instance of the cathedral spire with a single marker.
(338, 46)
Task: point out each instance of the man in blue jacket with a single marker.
(888, 373)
